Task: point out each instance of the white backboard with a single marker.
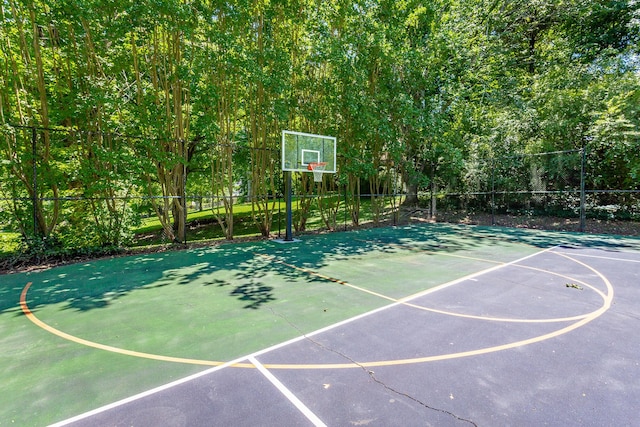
(299, 149)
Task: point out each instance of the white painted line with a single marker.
(144, 394)
(469, 277)
(288, 394)
(599, 256)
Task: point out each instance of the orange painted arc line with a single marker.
(404, 300)
(608, 298)
(325, 277)
(32, 317)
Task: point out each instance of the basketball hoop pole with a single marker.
(288, 237)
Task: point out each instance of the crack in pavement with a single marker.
(371, 373)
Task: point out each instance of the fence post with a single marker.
(345, 208)
(184, 190)
(279, 198)
(34, 202)
(493, 192)
(583, 209)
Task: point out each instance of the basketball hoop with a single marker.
(318, 169)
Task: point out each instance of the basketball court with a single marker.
(426, 324)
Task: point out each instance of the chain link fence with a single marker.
(93, 188)
(555, 184)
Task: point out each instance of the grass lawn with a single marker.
(9, 243)
(203, 225)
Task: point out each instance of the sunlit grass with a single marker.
(203, 225)
(9, 243)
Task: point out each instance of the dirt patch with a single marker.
(592, 226)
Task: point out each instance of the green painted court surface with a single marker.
(212, 305)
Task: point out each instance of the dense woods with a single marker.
(120, 104)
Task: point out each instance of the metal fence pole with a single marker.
(184, 199)
(279, 199)
(345, 208)
(583, 209)
(493, 193)
(34, 202)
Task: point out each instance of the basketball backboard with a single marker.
(300, 149)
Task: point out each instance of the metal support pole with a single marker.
(288, 237)
(583, 198)
(493, 193)
(184, 201)
(345, 207)
(279, 214)
(34, 153)
(184, 189)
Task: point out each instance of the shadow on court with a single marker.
(97, 284)
(403, 365)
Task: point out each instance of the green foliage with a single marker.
(428, 90)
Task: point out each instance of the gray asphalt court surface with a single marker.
(548, 339)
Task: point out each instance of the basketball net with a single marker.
(317, 168)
